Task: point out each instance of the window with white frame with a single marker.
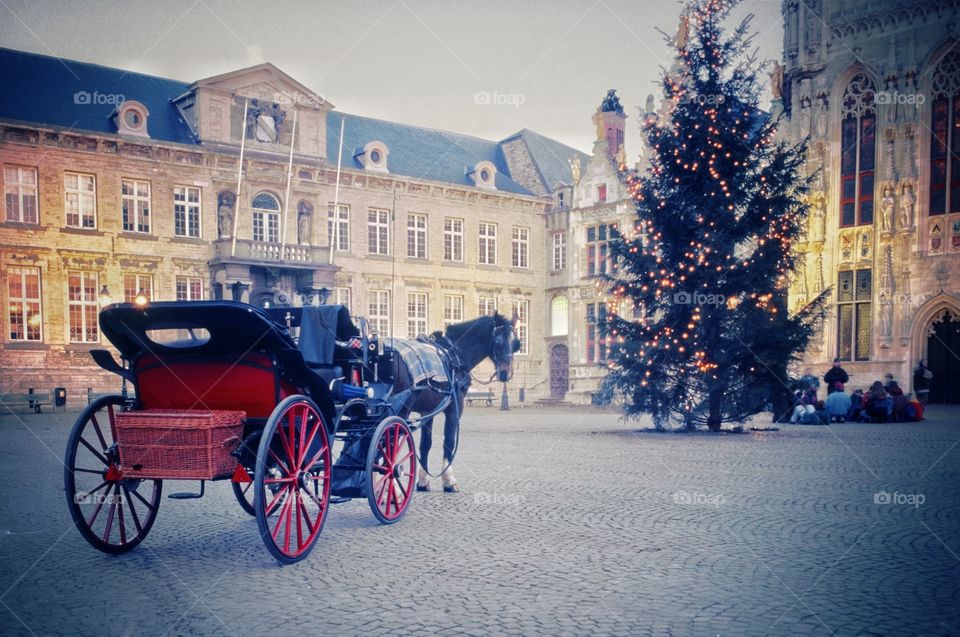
(82, 306)
(417, 236)
(135, 195)
(189, 288)
(136, 284)
(559, 316)
(80, 200)
(416, 314)
(378, 231)
(24, 312)
(487, 243)
(20, 193)
(378, 312)
(186, 211)
(338, 227)
(559, 251)
(452, 239)
(521, 247)
(452, 309)
(341, 296)
(487, 305)
(521, 308)
(266, 218)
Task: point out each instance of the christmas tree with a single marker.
(708, 338)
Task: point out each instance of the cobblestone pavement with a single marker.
(570, 522)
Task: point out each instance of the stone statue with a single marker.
(776, 80)
(818, 218)
(598, 120)
(278, 115)
(805, 116)
(304, 217)
(621, 156)
(886, 318)
(886, 206)
(253, 116)
(648, 108)
(907, 201)
(225, 201)
(820, 121)
(575, 169)
(683, 32)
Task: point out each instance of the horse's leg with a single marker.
(451, 429)
(426, 441)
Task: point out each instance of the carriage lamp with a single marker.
(141, 298)
(105, 298)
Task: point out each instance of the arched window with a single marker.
(858, 146)
(266, 218)
(559, 316)
(945, 139)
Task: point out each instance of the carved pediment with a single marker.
(267, 83)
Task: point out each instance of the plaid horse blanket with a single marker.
(422, 359)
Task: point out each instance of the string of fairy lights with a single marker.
(755, 219)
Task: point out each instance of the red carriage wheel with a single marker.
(292, 479)
(243, 489)
(112, 512)
(391, 466)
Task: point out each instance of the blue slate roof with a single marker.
(80, 96)
(48, 90)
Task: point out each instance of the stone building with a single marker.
(119, 184)
(876, 87)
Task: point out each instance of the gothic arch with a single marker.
(924, 316)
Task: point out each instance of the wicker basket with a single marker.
(179, 444)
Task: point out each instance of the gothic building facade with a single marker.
(875, 87)
(249, 186)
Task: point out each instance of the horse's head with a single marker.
(503, 345)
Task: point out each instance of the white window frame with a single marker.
(133, 283)
(559, 251)
(137, 204)
(88, 306)
(378, 231)
(378, 312)
(24, 307)
(416, 314)
(487, 243)
(487, 305)
(453, 239)
(189, 209)
(79, 201)
(416, 236)
(189, 288)
(338, 227)
(521, 247)
(521, 307)
(559, 316)
(452, 309)
(341, 296)
(266, 221)
(20, 190)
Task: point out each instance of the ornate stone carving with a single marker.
(886, 274)
(886, 209)
(886, 318)
(865, 245)
(907, 202)
(908, 169)
(225, 202)
(822, 117)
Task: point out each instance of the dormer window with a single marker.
(131, 118)
(484, 175)
(374, 156)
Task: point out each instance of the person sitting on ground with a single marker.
(819, 415)
(876, 403)
(838, 405)
(834, 375)
(898, 402)
(856, 405)
(808, 402)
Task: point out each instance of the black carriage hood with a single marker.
(320, 327)
(232, 327)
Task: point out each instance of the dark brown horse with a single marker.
(461, 347)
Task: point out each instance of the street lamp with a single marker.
(105, 298)
(141, 298)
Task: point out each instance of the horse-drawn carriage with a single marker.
(228, 391)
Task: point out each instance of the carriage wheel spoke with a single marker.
(99, 455)
(299, 505)
(274, 502)
(133, 511)
(403, 459)
(82, 470)
(289, 523)
(313, 460)
(283, 509)
(96, 428)
(305, 447)
(145, 503)
(280, 462)
(109, 526)
(123, 528)
(306, 517)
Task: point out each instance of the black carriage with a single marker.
(227, 391)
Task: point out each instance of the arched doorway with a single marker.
(559, 371)
(943, 356)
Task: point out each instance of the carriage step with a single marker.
(333, 500)
(187, 496)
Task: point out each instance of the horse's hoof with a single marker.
(451, 488)
(423, 487)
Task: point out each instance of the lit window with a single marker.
(945, 141)
(80, 200)
(82, 306)
(25, 312)
(20, 193)
(854, 294)
(134, 284)
(136, 205)
(858, 133)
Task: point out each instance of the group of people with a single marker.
(882, 402)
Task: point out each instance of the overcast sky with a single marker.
(545, 63)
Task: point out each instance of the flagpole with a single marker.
(236, 210)
(286, 199)
(336, 189)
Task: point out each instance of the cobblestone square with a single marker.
(570, 522)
